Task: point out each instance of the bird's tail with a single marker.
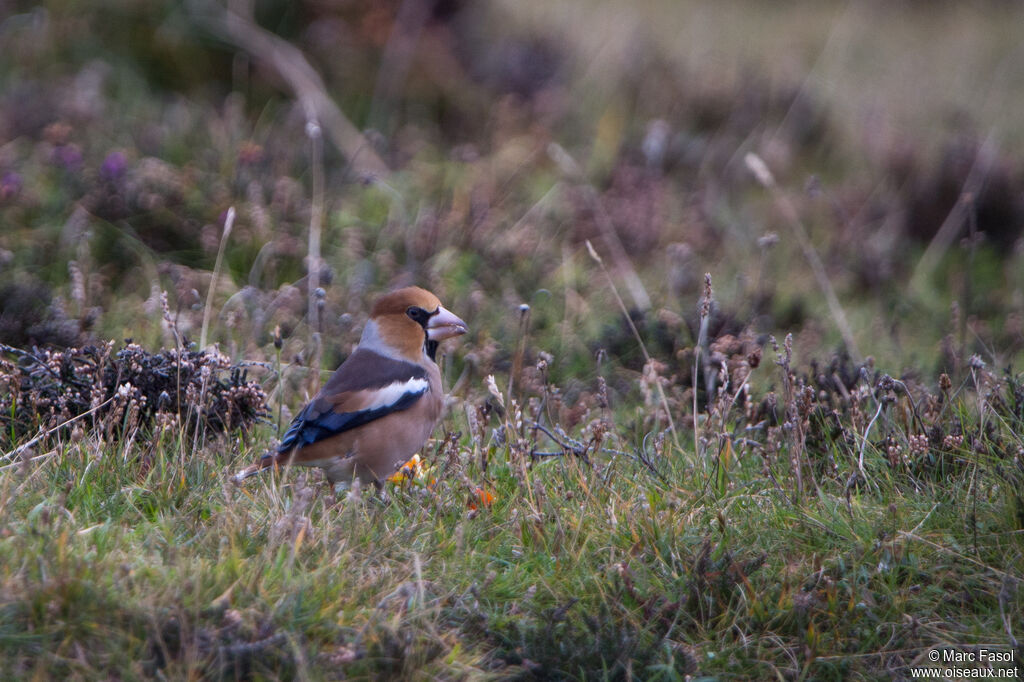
(266, 462)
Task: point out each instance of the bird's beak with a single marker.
(444, 324)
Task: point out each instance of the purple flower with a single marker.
(113, 166)
(10, 185)
(67, 155)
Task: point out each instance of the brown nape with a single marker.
(397, 302)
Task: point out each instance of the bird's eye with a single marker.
(418, 315)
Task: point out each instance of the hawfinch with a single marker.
(382, 404)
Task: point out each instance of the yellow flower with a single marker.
(412, 471)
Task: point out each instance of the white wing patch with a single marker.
(392, 393)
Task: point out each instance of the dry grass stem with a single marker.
(301, 77)
(954, 223)
(764, 176)
(229, 221)
(569, 167)
(639, 339)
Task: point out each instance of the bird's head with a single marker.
(412, 318)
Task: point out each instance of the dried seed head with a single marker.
(759, 168)
(768, 240)
(602, 392)
(77, 283)
(705, 305)
(492, 388)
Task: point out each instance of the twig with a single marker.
(25, 354)
(540, 427)
(579, 449)
(575, 448)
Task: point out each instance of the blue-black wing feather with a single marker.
(364, 369)
(308, 427)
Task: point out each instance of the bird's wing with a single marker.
(366, 387)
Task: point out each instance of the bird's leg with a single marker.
(382, 493)
(347, 491)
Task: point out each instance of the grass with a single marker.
(586, 565)
(705, 487)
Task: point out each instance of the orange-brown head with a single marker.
(408, 318)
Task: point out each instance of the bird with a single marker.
(381, 405)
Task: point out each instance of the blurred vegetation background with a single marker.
(474, 147)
